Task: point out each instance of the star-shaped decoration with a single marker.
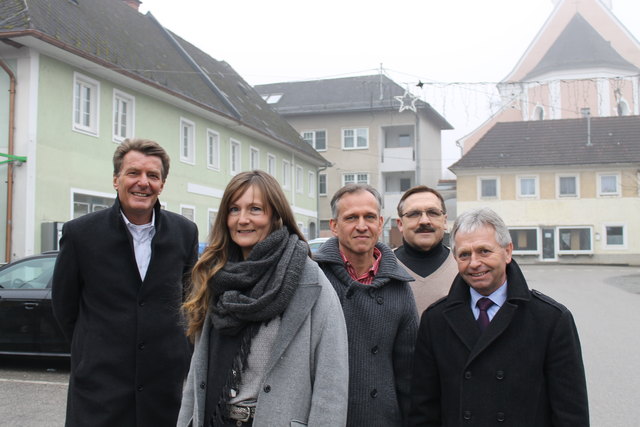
(420, 84)
(407, 101)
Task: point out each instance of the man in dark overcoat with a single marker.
(118, 286)
(494, 352)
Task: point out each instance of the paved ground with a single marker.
(605, 302)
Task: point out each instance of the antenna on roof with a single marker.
(586, 113)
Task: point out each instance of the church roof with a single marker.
(580, 46)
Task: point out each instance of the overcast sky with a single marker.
(444, 43)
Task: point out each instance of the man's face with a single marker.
(139, 183)
(424, 231)
(358, 223)
(482, 262)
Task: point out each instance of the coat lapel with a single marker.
(498, 325)
(461, 321)
(295, 315)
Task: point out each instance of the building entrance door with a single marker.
(548, 244)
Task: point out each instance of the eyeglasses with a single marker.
(417, 214)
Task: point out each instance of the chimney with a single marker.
(133, 3)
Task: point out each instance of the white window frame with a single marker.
(312, 183)
(235, 157)
(576, 176)
(271, 164)
(286, 174)
(536, 186)
(313, 141)
(78, 107)
(601, 175)
(299, 179)
(537, 251)
(188, 207)
(356, 178)
(213, 150)
(606, 245)
(326, 184)
(561, 251)
(487, 178)
(109, 198)
(355, 138)
(254, 158)
(119, 98)
(189, 143)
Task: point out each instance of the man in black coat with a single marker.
(118, 286)
(494, 352)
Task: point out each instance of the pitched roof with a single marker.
(349, 94)
(556, 143)
(580, 46)
(116, 36)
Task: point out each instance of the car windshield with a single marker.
(31, 274)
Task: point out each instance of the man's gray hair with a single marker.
(350, 189)
(474, 219)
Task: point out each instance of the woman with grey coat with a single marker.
(270, 336)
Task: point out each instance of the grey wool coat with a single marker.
(382, 323)
(129, 352)
(306, 381)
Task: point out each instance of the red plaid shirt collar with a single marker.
(366, 278)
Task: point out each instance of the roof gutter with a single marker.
(10, 155)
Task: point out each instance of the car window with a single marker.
(31, 274)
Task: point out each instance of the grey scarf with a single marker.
(260, 287)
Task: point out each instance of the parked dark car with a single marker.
(27, 325)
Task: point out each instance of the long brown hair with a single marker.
(216, 255)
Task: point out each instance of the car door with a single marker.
(27, 325)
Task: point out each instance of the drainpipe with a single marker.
(12, 102)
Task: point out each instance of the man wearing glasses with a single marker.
(422, 220)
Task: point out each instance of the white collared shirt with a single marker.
(499, 296)
(142, 235)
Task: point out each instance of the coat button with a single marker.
(140, 388)
(467, 375)
(267, 388)
(500, 416)
(466, 415)
(380, 300)
(203, 385)
(349, 293)
(141, 303)
(141, 346)
(374, 349)
(374, 393)
(500, 375)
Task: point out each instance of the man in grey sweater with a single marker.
(378, 306)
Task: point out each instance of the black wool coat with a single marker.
(526, 369)
(129, 353)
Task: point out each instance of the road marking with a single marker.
(7, 380)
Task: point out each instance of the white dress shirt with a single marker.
(142, 235)
(499, 296)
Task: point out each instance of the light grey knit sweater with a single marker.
(382, 323)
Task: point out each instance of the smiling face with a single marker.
(357, 224)
(139, 183)
(423, 232)
(482, 262)
(249, 219)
